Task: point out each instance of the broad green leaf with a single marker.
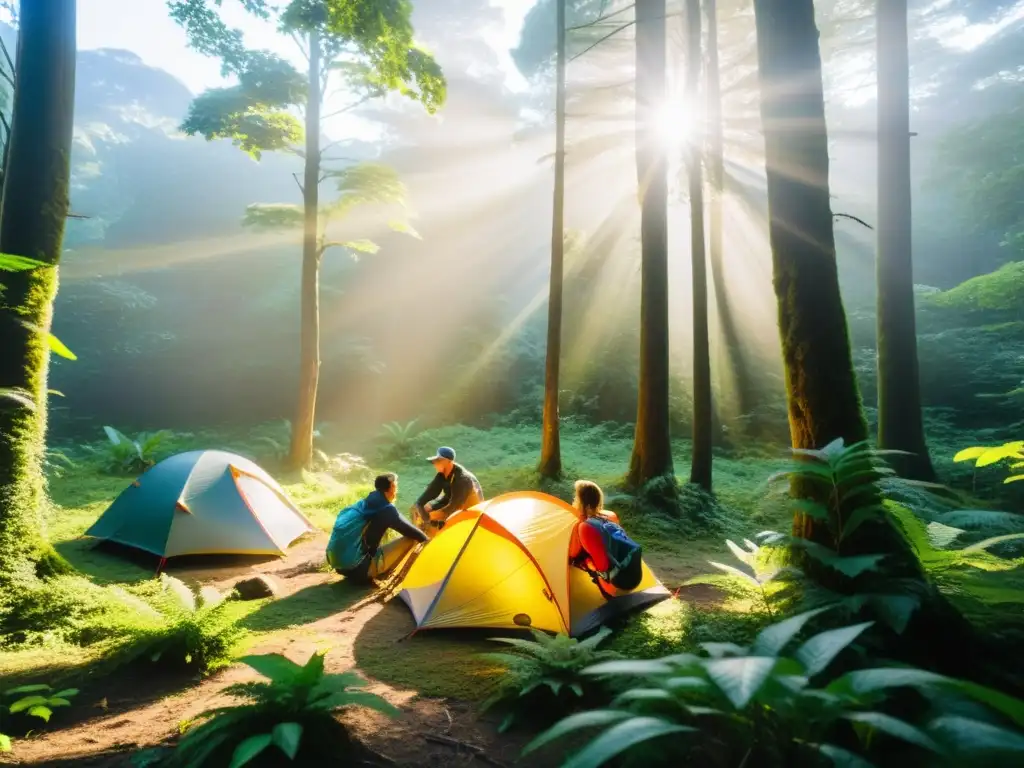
(745, 557)
(361, 246)
(1012, 707)
(638, 667)
(58, 701)
(59, 348)
(855, 565)
(643, 694)
(40, 711)
(842, 758)
(36, 688)
(973, 452)
(720, 650)
(740, 678)
(819, 651)
(863, 681)
(590, 719)
(771, 640)
(5, 743)
(894, 727)
(273, 665)
(249, 749)
(1013, 479)
(287, 737)
(622, 737)
(973, 736)
(894, 610)
(11, 263)
(685, 683)
(997, 454)
(26, 703)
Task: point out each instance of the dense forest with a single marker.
(753, 266)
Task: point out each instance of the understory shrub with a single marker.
(288, 719)
(544, 677)
(756, 705)
(29, 701)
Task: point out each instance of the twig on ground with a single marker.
(450, 721)
(448, 741)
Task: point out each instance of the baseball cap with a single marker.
(444, 452)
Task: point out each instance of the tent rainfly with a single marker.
(203, 503)
(505, 564)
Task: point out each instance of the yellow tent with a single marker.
(505, 564)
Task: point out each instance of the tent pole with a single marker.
(160, 565)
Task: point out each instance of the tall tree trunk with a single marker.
(700, 465)
(652, 445)
(35, 206)
(824, 403)
(550, 452)
(731, 355)
(900, 422)
(309, 352)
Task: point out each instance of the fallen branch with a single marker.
(448, 741)
(852, 218)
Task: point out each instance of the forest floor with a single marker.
(437, 679)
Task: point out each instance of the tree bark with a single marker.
(34, 210)
(700, 464)
(900, 421)
(824, 403)
(309, 345)
(732, 356)
(652, 446)
(550, 452)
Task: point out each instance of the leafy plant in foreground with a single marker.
(984, 456)
(545, 678)
(193, 631)
(123, 455)
(755, 706)
(33, 701)
(291, 714)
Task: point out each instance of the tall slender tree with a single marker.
(550, 451)
(700, 465)
(900, 421)
(371, 46)
(32, 216)
(652, 445)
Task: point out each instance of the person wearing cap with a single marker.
(453, 488)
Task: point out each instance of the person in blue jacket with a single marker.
(354, 550)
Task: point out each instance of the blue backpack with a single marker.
(346, 550)
(624, 555)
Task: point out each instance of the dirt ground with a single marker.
(135, 714)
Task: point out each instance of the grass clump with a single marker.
(544, 676)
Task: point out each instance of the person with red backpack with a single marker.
(600, 546)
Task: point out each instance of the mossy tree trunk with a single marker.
(900, 422)
(824, 403)
(700, 464)
(652, 445)
(734, 366)
(309, 345)
(551, 452)
(32, 218)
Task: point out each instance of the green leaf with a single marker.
(404, 227)
(249, 749)
(740, 678)
(287, 737)
(863, 681)
(273, 665)
(58, 347)
(856, 565)
(637, 667)
(771, 640)
(11, 263)
(591, 719)
(25, 703)
(361, 246)
(643, 694)
(991, 542)
(720, 650)
(813, 509)
(973, 736)
(5, 743)
(730, 569)
(372, 701)
(621, 737)
(841, 758)
(819, 651)
(894, 727)
(58, 701)
(40, 711)
(860, 516)
(1012, 707)
(273, 216)
(970, 453)
(36, 688)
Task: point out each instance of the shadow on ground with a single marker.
(305, 606)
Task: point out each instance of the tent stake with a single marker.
(160, 565)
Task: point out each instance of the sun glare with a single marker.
(674, 123)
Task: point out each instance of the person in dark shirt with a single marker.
(453, 488)
(354, 550)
